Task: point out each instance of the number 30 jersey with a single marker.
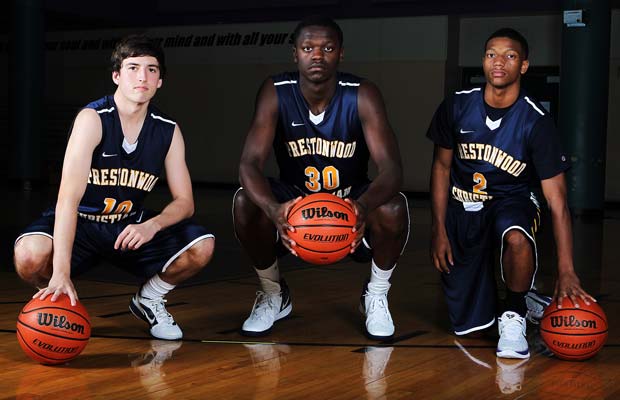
(325, 153)
(496, 152)
(119, 181)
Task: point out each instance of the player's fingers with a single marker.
(449, 256)
(120, 238)
(56, 294)
(72, 296)
(574, 299)
(585, 298)
(560, 299)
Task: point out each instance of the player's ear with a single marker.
(295, 54)
(524, 66)
(341, 54)
(159, 83)
(115, 76)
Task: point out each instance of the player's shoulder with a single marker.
(159, 116)
(533, 105)
(284, 79)
(104, 105)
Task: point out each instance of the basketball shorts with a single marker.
(94, 242)
(470, 287)
(284, 192)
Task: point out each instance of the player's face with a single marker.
(503, 63)
(138, 78)
(317, 53)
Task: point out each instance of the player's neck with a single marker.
(128, 110)
(318, 95)
(501, 97)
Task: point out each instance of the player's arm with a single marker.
(554, 190)
(382, 146)
(85, 136)
(441, 252)
(180, 208)
(255, 152)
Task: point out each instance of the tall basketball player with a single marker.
(490, 142)
(303, 115)
(117, 149)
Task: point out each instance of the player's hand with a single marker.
(278, 214)
(361, 212)
(135, 235)
(58, 284)
(441, 252)
(568, 285)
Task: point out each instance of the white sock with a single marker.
(270, 278)
(155, 288)
(379, 279)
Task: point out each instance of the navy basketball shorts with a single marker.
(284, 192)
(470, 287)
(94, 242)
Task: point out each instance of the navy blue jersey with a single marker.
(330, 155)
(118, 182)
(497, 152)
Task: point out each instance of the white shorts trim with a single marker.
(32, 233)
(501, 257)
(184, 249)
(475, 328)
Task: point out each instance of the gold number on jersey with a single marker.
(123, 207)
(481, 183)
(330, 177)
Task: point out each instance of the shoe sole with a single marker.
(281, 315)
(370, 335)
(511, 354)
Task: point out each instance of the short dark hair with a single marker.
(137, 46)
(511, 34)
(318, 20)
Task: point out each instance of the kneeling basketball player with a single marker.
(118, 147)
(490, 143)
(307, 116)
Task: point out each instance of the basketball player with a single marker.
(116, 151)
(489, 143)
(306, 115)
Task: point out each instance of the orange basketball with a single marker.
(53, 332)
(574, 333)
(323, 224)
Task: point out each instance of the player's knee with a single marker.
(392, 216)
(516, 240)
(201, 253)
(30, 263)
(244, 208)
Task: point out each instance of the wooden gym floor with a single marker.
(320, 352)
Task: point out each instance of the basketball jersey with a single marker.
(492, 159)
(119, 181)
(328, 155)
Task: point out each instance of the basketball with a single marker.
(323, 224)
(574, 333)
(53, 332)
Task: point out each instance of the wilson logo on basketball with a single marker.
(47, 319)
(326, 238)
(323, 212)
(571, 322)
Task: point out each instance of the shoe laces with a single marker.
(159, 309)
(265, 303)
(377, 303)
(512, 329)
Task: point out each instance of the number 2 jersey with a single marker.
(324, 155)
(496, 152)
(119, 181)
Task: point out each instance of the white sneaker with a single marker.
(379, 324)
(268, 308)
(512, 341)
(536, 304)
(510, 375)
(155, 314)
